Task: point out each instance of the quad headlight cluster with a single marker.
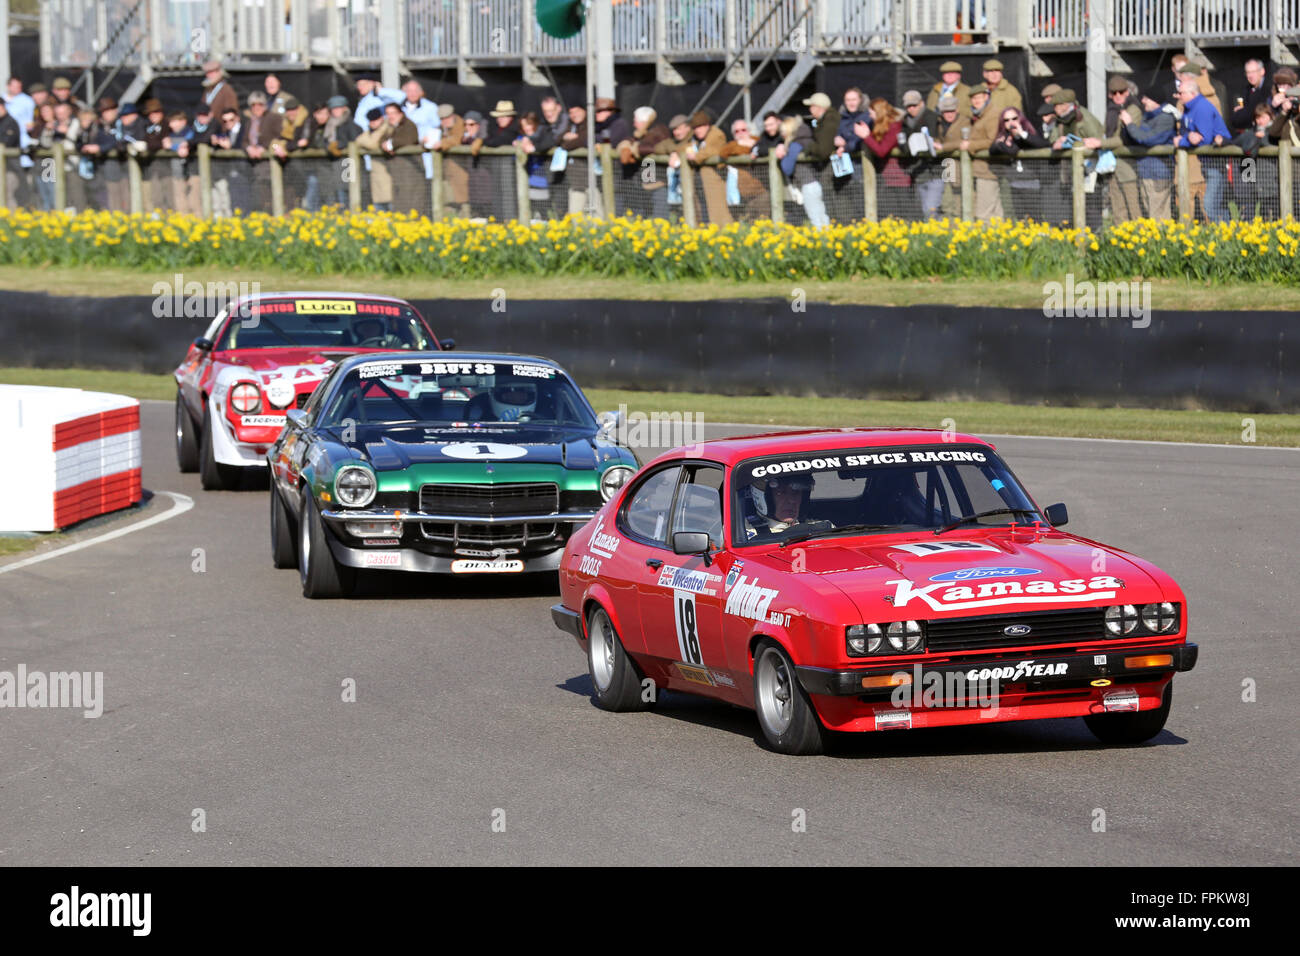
(355, 486)
(1137, 620)
(897, 637)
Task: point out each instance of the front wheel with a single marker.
(785, 713)
(1132, 727)
(615, 676)
(284, 551)
(187, 443)
(322, 576)
(213, 475)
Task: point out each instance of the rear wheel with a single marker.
(613, 673)
(784, 711)
(284, 546)
(322, 576)
(1132, 727)
(187, 443)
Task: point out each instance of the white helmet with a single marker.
(511, 401)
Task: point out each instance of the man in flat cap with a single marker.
(989, 202)
(217, 91)
(1122, 110)
(707, 142)
(810, 175)
(949, 84)
(1002, 95)
(1076, 126)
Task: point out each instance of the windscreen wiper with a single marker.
(842, 529)
(983, 514)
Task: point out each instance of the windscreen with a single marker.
(874, 490)
(501, 393)
(327, 323)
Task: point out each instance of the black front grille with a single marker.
(1081, 625)
(475, 501)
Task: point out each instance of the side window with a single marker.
(699, 503)
(645, 515)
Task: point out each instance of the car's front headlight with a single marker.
(612, 479)
(1127, 620)
(355, 486)
(898, 637)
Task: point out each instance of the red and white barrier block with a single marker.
(68, 455)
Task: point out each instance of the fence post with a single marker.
(205, 180)
(776, 187)
(967, 188)
(1080, 198)
(521, 186)
(1285, 179)
(435, 186)
(4, 178)
(869, 210)
(688, 193)
(60, 177)
(1185, 210)
(277, 185)
(354, 181)
(136, 184)
(607, 180)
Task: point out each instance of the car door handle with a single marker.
(654, 563)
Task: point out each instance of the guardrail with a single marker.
(506, 183)
(178, 33)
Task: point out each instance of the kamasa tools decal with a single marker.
(993, 593)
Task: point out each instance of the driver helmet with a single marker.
(368, 328)
(512, 400)
(764, 501)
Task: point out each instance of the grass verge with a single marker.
(1167, 294)
(980, 418)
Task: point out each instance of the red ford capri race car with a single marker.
(866, 579)
(266, 354)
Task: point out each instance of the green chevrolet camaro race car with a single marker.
(481, 464)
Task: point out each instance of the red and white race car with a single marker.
(861, 580)
(266, 354)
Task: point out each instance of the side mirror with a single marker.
(1056, 515)
(202, 344)
(447, 344)
(692, 542)
(297, 417)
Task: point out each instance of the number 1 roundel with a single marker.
(482, 451)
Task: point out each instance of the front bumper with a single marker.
(397, 558)
(1039, 673)
(984, 690)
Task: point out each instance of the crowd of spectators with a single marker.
(818, 149)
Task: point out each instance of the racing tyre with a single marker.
(614, 675)
(214, 476)
(784, 711)
(284, 546)
(322, 576)
(187, 443)
(1133, 727)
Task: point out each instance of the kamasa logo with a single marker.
(749, 600)
(995, 593)
(600, 543)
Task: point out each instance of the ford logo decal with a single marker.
(971, 574)
(1016, 630)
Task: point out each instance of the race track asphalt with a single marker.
(223, 693)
